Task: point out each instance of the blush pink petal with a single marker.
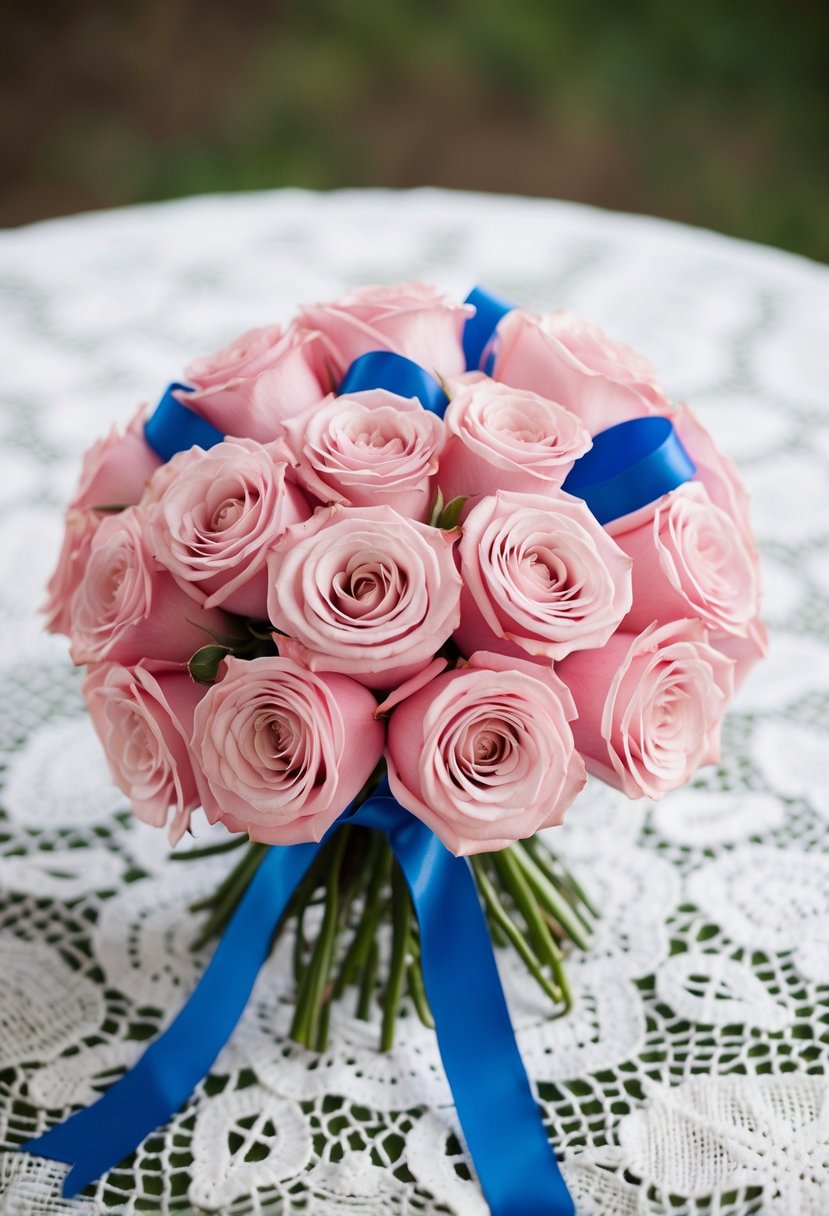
(116, 469)
(489, 699)
(255, 406)
(650, 706)
(282, 751)
(541, 577)
(529, 355)
(410, 319)
(126, 608)
(365, 592)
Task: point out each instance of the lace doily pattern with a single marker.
(692, 1075)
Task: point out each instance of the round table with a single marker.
(692, 1075)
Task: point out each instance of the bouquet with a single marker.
(408, 553)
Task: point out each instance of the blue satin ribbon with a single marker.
(99, 1137)
(479, 329)
(172, 427)
(501, 1122)
(397, 374)
(628, 466)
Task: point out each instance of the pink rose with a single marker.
(251, 386)
(598, 353)
(363, 591)
(504, 438)
(745, 651)
(217, 515)
(717, 472)
(126, 608)
(650, 707)
(79, 528)
(541, 577)
(367, 449)
(410, 319)
(484, 755)
(144, 719)
(283, 751)
(116, 470)
(531, 352)
(689, 559)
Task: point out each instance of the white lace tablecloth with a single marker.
(692, 1075)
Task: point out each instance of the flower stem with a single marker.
(511, 931)
(368, 981)
(229, 893)
(305, 1026)
(549, 863)
(546, 894)
(401, 915)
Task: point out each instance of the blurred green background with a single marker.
(714, 112)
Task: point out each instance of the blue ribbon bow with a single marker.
(516, 1166)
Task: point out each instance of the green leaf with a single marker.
(110, 508)
(437, 509)
(204, 665)
(449, 517)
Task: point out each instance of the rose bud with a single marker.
(125, 607)
(410, 319)
(503, 438)
(650, 706)
(540, 577)
(250, 386)
(283, 751)
(363, 591)
(689, 559)
(367, 449)
(215, 518)
(144, 718)
(601, 381)
(484, 755)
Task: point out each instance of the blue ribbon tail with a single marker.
(480, 329)
(628, 466)
(501, 1121)
(173, 427)
(98, 1138)
(396, 374)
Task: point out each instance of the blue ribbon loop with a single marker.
(172, 427)
(628, 466)
(479, 329)
(501, 1122)
(396, 374)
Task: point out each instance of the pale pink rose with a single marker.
(144, 718)
(283, 751)
(363, 591)
(367, 449)
(484, 754)
(650, 706)
(502, 438)
(540, 577)
(717, 472)
(411, 319)
(79, 528)
(126, 607)
(115, 470)
(531, 353)
(216, 517)
(689, 559)
(598, 353)
(251, 386)
(746, 652)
